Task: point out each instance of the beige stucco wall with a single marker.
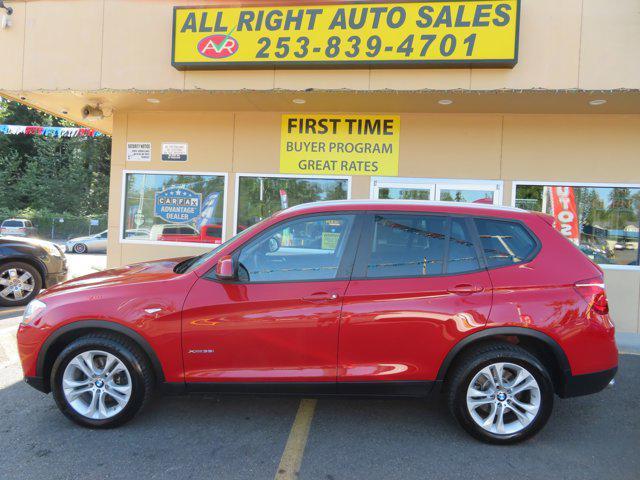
(125, 44)
(483, 147)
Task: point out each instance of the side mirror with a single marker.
(225, 269)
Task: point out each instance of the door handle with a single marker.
(320, 297)
(465, 289)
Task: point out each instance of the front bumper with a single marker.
(578, 385)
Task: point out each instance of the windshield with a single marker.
(193, 263)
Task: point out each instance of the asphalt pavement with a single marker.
(206, 437)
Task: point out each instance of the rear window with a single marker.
(12, 223)
(504, 242)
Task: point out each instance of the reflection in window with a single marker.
(407, 246)
(503, 242)
(299, 250)
(260, 197)
(174, 208)
(604, 222)
(462, 252)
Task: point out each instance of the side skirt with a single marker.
(348, 389)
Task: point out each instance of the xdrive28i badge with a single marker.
(218, 46)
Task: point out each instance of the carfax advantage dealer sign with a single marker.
(436, 33)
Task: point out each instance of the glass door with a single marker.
(488, 193)
(403, 190)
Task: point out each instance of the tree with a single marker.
(47, 174)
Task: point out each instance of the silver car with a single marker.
(18, 227)
(92, 243)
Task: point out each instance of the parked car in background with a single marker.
(18, 227)
(91, 243)
(339, 298)
(183, 233)
(26, 266)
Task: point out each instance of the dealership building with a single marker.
(222, 113)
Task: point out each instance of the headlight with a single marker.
(33, 311)
(51, 249)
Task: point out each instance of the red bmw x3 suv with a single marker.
(489, 305)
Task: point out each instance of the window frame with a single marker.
(437, 184)
(129, 241)
(543, 183)
(349, 255)
(366, 243)
(236, 206)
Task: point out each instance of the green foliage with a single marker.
(51, 176)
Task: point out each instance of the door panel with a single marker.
(402, 329)
(279, 321)
(262, 332)
(418, 288)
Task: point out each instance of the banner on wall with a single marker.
(565, 212)
(340, 144)
(443, 33)
(177, 205)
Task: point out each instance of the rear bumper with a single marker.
(578, 385)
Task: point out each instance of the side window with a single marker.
(504, 242)
(308, 248)
(407, 246)
(462, 252)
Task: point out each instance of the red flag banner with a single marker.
(565, 212)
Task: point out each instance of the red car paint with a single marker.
(358, 330)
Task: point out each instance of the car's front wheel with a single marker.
(101, 380)
(19, 283)
(500, 393)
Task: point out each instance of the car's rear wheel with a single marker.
(19, 283)
(80, 248)
(101, 380)
(500, 393)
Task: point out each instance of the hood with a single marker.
(79, 239)
(10, 240)
(130, 274)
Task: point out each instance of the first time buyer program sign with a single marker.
(340, 144)
(436, 33)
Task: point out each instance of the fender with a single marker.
(102, 325)
(558, 353)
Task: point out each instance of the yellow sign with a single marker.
(436, 33)
(340, 144)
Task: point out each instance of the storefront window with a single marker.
(165, 207)
(604, 222)
(260, 197)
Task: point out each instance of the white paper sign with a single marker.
(138, 152)
(175, 152)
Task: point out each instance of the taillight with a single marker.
(592, 290)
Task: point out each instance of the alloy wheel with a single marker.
(503, 398)
(79, 248)
(16, 284)
(97, 384)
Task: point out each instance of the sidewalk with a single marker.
(628, 343)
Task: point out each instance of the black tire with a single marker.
(142, 378)
(80, 248)
(471, 363)
(37, 283)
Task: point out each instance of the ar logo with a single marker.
(218, 46)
